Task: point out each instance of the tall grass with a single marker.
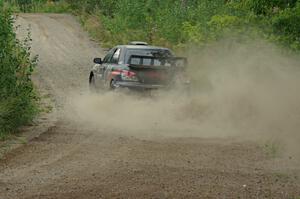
(17, 96)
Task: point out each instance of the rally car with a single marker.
(137, 66)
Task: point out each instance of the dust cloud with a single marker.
(249, 91)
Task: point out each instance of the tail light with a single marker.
(128, 76)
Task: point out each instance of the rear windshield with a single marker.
(147, 52)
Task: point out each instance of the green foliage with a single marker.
(177, 23)
(44, 6)
(16, 90)
(182, 22)
(168, 22)
(51, 7)
(286, 24)
(265, 7)
(107, 7)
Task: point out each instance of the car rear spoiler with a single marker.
(139, 62)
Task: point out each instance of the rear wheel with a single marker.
(112, 84)
(92, 84)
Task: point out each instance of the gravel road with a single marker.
(74, 160)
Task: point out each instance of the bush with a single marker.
(266, 7)
(17, 97)
(286, 24)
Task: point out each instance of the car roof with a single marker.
(141, 47)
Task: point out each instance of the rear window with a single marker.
(147, 52)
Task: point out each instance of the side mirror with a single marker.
(98, 61)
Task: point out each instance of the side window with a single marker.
(107, 58)
(115, 57)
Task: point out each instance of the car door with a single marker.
(101, 68)
(112, 63)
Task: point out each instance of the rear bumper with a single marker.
(137, 85)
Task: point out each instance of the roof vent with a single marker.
(139, 43)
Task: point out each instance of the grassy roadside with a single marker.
(18, 99)
(179, 24)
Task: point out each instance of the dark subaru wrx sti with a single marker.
(137, 66)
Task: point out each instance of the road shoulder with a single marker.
(44, 121)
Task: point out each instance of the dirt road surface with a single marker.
(73, 160)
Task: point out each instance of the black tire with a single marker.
(92, 84)
(112, 85)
